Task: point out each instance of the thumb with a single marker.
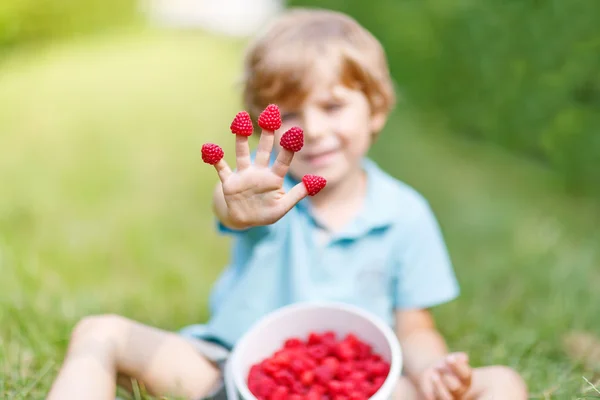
(293, 196)
(459, 357)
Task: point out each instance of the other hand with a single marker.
(449, 379)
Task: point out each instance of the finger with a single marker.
(441, 392)
(427, 390)
(293, 196)
(223, 170)
(213, 154)
(291, 142)
(452, 383)
(242, 152)
(265, 146)
(460, 367)
(282, 163)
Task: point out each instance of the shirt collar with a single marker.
(378, 211)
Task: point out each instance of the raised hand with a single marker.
(253, 194)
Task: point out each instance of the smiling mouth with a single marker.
(322, 154)
(320, 159)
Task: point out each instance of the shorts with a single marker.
(214, 351)
(218, 354)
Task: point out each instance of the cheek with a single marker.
(360, 144)
(356, 137)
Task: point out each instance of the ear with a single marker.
(378, 120)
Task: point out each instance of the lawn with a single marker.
(105, 208)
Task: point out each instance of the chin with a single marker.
(332, 173)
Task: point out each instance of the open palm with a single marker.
(254, 192)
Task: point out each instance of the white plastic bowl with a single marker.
(269, 333)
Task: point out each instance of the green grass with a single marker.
(105, 208)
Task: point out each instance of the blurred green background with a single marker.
(105, 203)
(521, 74)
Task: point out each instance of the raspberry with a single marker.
(363, 350)
(318, 351)
(357, 396)
(270, 367)
(284, 377)
(211, 153)
(335, 387)
(377, 368)
(329, 337)
(313, 183)
(282, 358)
(348, 387)
(332, 363)
(270, 118)
(323, 374)
(313, 338)
(281, 393)
(298, 388)
(298, 366)
(242, 124)
(313, 395)
(292, 343)
(378, 382)
(307, 378)
(292, 139)
(345, 370)
(366, 387)
(345, 351)
(357, 376)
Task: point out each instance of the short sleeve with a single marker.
(424, 276)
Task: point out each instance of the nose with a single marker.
(315, 124)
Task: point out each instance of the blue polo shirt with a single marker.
(391, 256)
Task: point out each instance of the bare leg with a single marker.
(105, 347)
(488, 383)
(405, 390)
(497, 383)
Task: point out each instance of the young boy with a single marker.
(330, 225)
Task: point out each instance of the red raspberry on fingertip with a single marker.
(211, 153)
(292, 139)
(314, 183)
(270, 118)
(242, 124)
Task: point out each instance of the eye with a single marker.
(333, 106)
(286, 116)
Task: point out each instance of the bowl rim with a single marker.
(386, 330)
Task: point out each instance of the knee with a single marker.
(104, 328)
(508, 378)
(404, 390)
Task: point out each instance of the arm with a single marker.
(423, 278)
(422, 345)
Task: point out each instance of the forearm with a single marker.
(421, 348)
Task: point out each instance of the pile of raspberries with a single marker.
(319, 368)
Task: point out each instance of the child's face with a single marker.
(338, 126)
